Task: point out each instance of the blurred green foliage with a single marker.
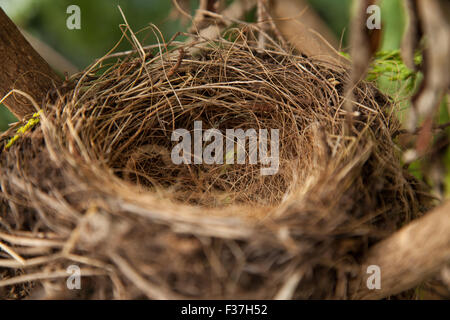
(394, 78)
(393, 25)
(336, 14)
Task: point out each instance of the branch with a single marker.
(302, 27)
(22, 69)
(233, 12)
(200, 16)
(435, 26)
(410, 256)
(57, 61)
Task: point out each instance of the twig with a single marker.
(177, 65)
(262, 16)
(12, 253)
(48, 276)
(31, 242)
(22, 69)
(54, 58)
(304, 29)
(152, 292)
(233, 12)
(409, 257)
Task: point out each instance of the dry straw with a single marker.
(93, 185)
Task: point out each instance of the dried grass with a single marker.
(93, 184)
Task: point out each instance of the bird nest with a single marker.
(93, 182)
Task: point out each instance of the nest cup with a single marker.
(94, 184)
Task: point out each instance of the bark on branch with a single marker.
(22, 69)
(303, 28)
(410, 256)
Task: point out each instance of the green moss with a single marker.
(23, 129)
